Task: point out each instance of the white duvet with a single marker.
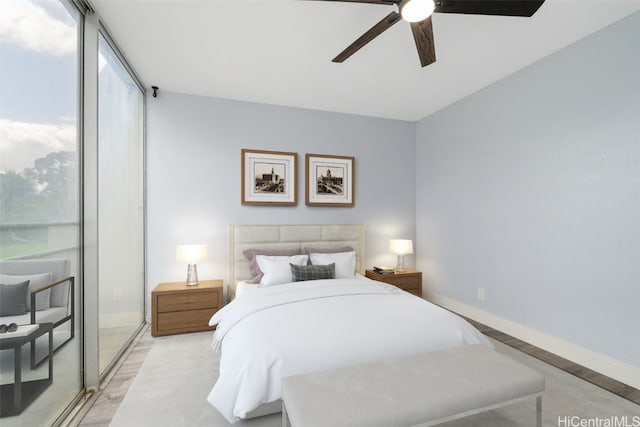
(303, 327)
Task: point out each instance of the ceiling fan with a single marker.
(418, 14)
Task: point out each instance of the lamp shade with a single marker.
(191, 254)
(401, 246)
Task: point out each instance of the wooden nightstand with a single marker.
(409, 280)
(177, 308)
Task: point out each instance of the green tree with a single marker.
(18, 199)
(56, 177)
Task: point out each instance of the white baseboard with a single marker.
(605, 365)
(117, 320)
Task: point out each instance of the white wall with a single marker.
(193, 176)
(530, 189)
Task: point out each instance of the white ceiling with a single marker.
(279, 51)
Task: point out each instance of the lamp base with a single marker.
(400, 268)
(192, 275)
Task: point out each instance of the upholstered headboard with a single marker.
(300, 237)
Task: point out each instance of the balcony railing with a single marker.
(39, 240)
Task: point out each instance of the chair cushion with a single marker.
(59, 269)
(35, 281)
(13, 298)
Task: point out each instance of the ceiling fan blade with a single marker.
(524, 8)
(423, 35)
(373, 32)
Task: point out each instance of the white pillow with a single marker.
(276, 270)
(345, 263)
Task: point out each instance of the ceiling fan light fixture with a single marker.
(416, 10)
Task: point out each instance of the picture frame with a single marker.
(269, 178)
(330, 180)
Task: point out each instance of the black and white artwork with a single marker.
(329, 180)
(268, 177)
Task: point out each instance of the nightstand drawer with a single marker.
(187, 301)
(405, 283)
(415, 291)
(180, 321)
(409, 280)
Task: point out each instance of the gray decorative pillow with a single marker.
(13, 299)
(35, 281)
(254, 270)
(301, 273)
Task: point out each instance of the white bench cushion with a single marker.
(410, 390)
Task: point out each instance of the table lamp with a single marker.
(191, 254)
(401, 248)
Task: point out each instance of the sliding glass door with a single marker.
(39, 198)
(120, 205)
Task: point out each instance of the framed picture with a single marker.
(269, 178)
(329, 180)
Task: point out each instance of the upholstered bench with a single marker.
(424, 389)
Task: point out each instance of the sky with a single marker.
(38, 81)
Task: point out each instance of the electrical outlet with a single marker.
(481, 294)
(117, 294)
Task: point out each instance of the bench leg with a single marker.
(285, 417)
(539, 411)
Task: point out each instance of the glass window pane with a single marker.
(120, 205)
(39, 177)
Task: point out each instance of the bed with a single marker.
(292, 328)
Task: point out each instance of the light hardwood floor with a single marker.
(602, 381)
(100, 408)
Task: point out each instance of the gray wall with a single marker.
(193, 176)
(530, 189)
